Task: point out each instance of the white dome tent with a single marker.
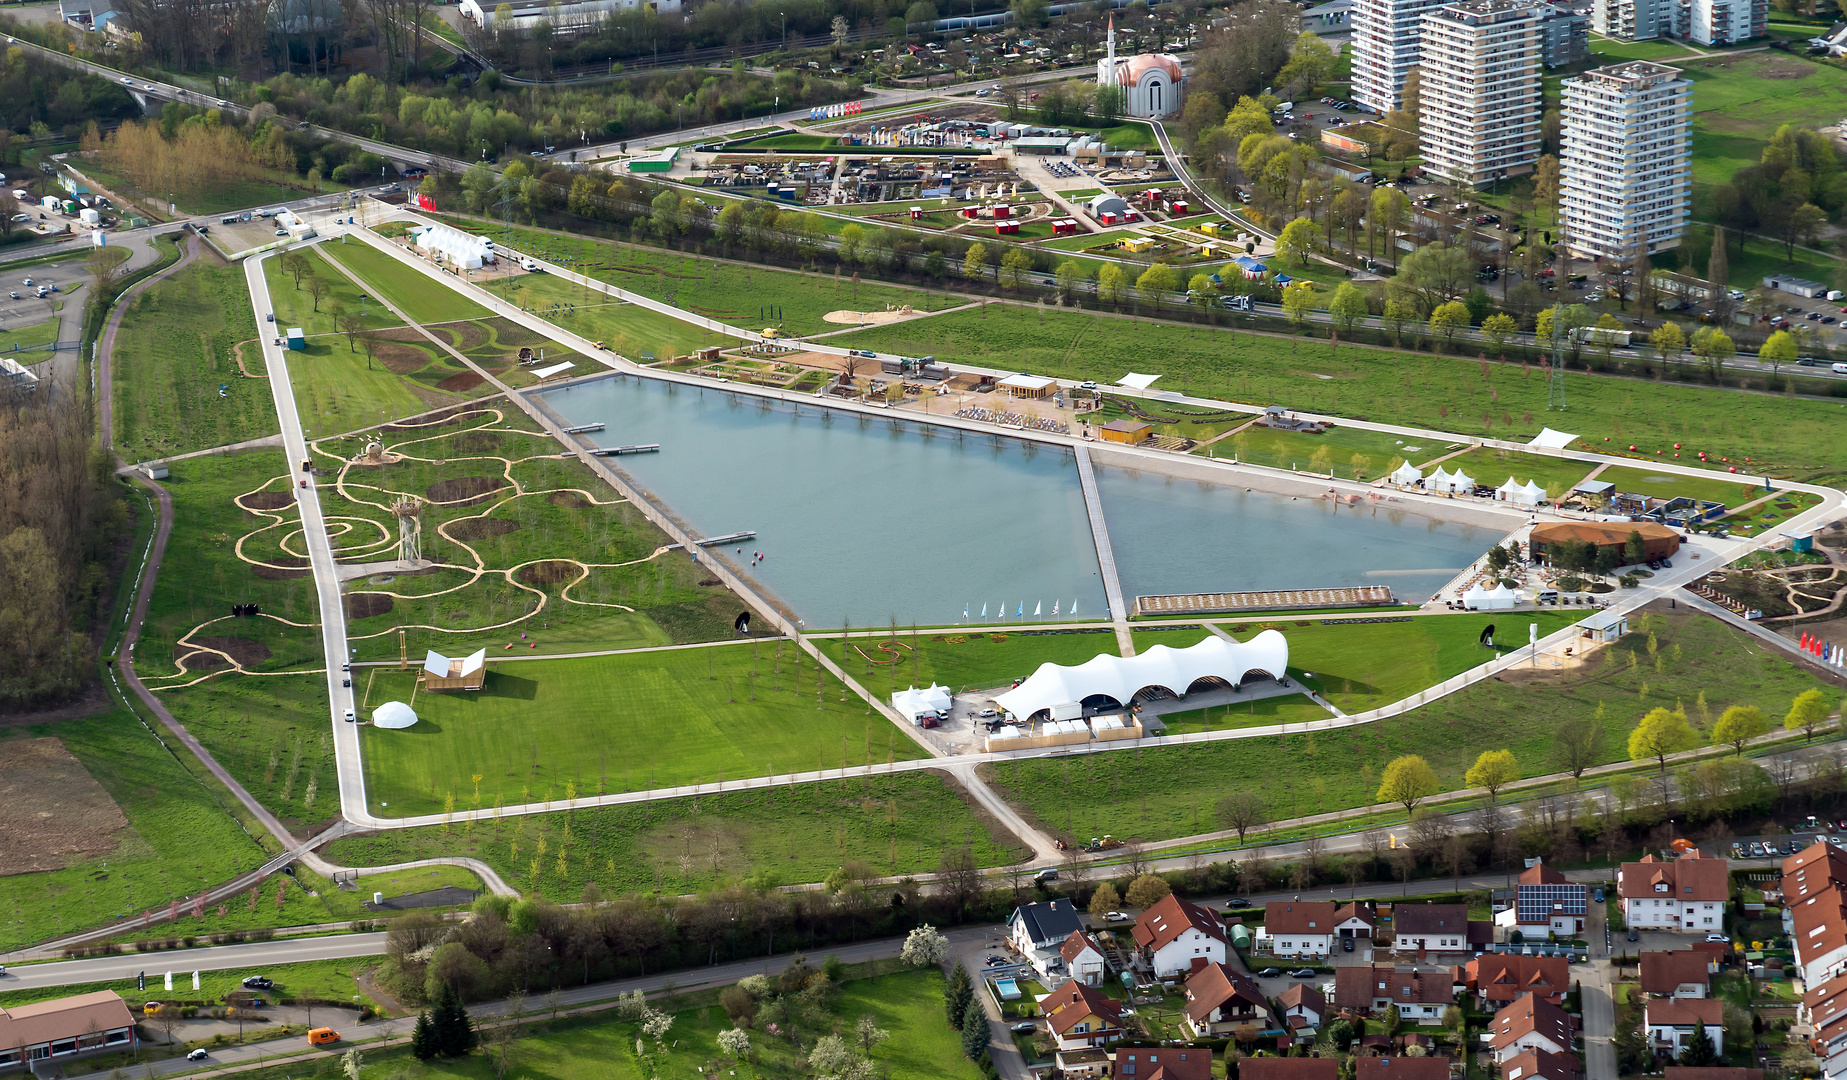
(393, 714)
(1406, 475)
(1174, 670)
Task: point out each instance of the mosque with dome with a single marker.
(1152, 83)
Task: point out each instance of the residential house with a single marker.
(1037, 930)
(1529, 1023)
(1177, 937)
(1084, 960)
(1683, 973)
(1303, 1007)
(1394, 1068)
(1815, 911)
(1163, 1063)
(1299, 929)
(1081, 1064)
(1431, 927)
(1686, 895)
(1542, 1065)
(1221, 1000)
(1419, 995)
(1498, 978)
(1824, 1008)
(1668, 1024)
(1545, 906)
(65, 1027)
(1080, 1016)
(1355, 920)
(1288, 1068)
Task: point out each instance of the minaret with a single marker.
(1111, 67)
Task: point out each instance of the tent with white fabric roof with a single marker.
(1494, 598)
(912, 703)
(1406, 475)
(1440, 480)
(1461, 482)
(393, 714)
(1536, 493)
(1121, 678)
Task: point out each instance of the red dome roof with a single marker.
(1130, 71)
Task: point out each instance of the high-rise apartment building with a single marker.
(1725, 22)
(1630, 20)
(1385, 47)
(1564, 36)
(1626, 170)
(1480, 106)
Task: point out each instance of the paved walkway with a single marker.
(1106, 558)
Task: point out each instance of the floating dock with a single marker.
(618, 451)
(1282, 600)
(719, 541)
(582, 428)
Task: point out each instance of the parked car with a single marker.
(1237, 902)
(1598, 896)
(1302, 973)
(196, 1055)
(1346, 944)
(1269, 973)
(1116, 916)
(258, 982)
(1720, 939)
(995, 961)
(1633, 936)
(1024, 1027)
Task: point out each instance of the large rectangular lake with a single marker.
(875, 519)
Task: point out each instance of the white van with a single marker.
(1839, 369)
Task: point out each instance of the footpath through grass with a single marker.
(1441, 393)
(177, 837)
(555, 729)
(178, 344)
(1170, 792)
(793, 834)
(328, 980)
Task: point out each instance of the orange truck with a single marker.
(321, 1036)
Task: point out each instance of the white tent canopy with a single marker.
(1139, 382)
(1552, 440)
(393, 714)
(444, 667)
(1406, 475)
(1535, 493)
(1174, 669)
(1440, 480)
(1494, 598)
(912, 702)
(1461, 481)
(1520, 494)
(462, 249)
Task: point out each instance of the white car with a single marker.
(1719, 939)
(196, 1055)
(1116, 916)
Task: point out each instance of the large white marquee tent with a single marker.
(912, 702)
(1174, 669)
(459, 248)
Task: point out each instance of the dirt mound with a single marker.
(52, 811)
(199, 661)
(481, 528)
(401, 359)
(243, 650)
(550, 572)
(569, 500)
(267, 500)
(463, 490)
(461, 381)
(364, 605)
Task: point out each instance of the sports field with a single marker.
(1439, 393)
(548, 729)
(1170, 792)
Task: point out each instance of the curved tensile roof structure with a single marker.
(393, 714)
(1172, 669)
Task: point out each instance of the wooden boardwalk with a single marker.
(1280, 600)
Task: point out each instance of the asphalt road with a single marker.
(253, 955)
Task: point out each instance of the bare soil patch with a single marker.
(401, 359)
(467, 335)
(549, 572)
(569, 500)
(364, 605)
(267, 500)
(197, 660)
(461, 382)
(243, 650)
(52, 811)
(1785, 69)
(463, 490)
(481, 528)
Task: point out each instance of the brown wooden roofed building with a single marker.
(1220, 1000)
(460, 673)
(1394, 1068)
(1125, 431)
(65, 1027)
(1683, 973)
(1658, 541)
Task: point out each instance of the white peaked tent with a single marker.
(393, 714)
(1507, 491)
(1440, 480)
(1552, 440)
(1536, 493)
(1461, 482)
(912, 702)
(1527, 494)
(1496, 597)
(1406, 475)
(1174, 669)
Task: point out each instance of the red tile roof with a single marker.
(1684, 1012)
(1302, 994)
(1419, 920)
(1814, 869)
(1542, 1065)
(1163, 923)
(1693, 876)
(1067, 1006)
(1164, 1063)
(1073, 947)
(1361, 911)
(1501, 978)
(1393, 1068)
(1216, 984)
(1541, 874)
(1664, 972)
(1530, 1016)
(1356, 987)
(1284, 917)
(1288, 1068)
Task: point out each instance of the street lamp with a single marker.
(785, 29)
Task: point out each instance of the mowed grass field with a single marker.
(28, 344)
(1434, 392)
(543, 730)
(1375, 451)
(1494, 467)
(1170, 792)
(421, 298)
(176, 346)
(1733, 492)
(1740, 99)
(975, 658)
(900, 824)
(623, 327)
(735, 293)
(328, 980)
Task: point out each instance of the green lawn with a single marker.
(966, 660)
(1170, 792)
(421, 298)
(1740, 99)
(176, 347)
(619, 723)
(1494, 467)
(296, 307)
(626, 328)
(1440, 393)
(329, 980)
(900, 824)
(1761, 258)
(221, 198)
(1672, 485)
(745, 296)
(1289, 709)
(1638, 50)
(178, 835)
(26, 344)
(1293, 449)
